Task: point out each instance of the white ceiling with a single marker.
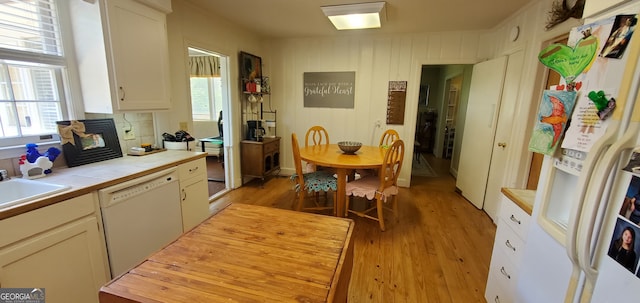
(304, 18)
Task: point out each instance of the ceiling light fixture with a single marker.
(356, 16)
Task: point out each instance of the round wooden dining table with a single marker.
(330, 155)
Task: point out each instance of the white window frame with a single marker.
(66, 79)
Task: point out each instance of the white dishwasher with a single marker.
(140, 217)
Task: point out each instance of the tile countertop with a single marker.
(524, 198)
(90, 177)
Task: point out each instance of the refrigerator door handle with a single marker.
(597, 151)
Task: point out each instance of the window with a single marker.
(206, 98)
(32, 69)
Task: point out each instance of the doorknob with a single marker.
(502, 144)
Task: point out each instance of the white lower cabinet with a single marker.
(507, 252)
(59, 248)
(194, 193)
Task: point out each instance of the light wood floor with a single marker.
(438, 252)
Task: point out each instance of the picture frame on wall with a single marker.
(250, 70)
(89, 141)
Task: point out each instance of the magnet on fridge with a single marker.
(603, 105)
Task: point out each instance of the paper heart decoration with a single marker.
(560, 87)
(570, 62)
(578, 85)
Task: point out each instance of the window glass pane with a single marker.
(8, 120)
(38, 117)
(38, 89)
(200, 104)
(33, 83)
(4, 84)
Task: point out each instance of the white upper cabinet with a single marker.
(122, 54)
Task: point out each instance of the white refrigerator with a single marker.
(573, 248)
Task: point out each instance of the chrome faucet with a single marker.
(3, 175)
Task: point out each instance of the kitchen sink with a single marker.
(15, 191)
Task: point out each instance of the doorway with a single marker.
(209, 94)
(441, 110)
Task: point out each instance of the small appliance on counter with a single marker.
(255, 131)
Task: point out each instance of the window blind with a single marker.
(30, 26)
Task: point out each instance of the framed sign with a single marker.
(88, 141)
(329, 89)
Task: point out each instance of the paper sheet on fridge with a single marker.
(605, 74)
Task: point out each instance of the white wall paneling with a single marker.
(376, 61)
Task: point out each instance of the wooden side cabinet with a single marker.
(260, 158)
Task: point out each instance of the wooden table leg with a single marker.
(341, 193)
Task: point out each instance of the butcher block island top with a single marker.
(246, 253)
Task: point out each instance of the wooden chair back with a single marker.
(388, 137)
(297, 160)
(392, 165)
(316, 135)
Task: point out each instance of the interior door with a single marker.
(479, 129)
(502, 146)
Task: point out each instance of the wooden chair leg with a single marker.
(380, 213)
(395, 208)
(346, 206)
(301, 195)
(335, 199)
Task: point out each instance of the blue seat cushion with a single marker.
(317, 181)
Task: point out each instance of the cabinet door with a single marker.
(195, 202)
(67, 262)
(140, 58)
(252, 155)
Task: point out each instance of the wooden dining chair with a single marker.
(309, 185)
(386, 140)
(316, 135)
(380, 187)
(388, 137)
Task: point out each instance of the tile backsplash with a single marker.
(140, 123)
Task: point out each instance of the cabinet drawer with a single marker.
(503, 270)
(507, 241)
(496, 292)
(193, 169)
(273, 146)
(514, 217)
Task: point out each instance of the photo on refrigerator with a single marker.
(623, 247)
